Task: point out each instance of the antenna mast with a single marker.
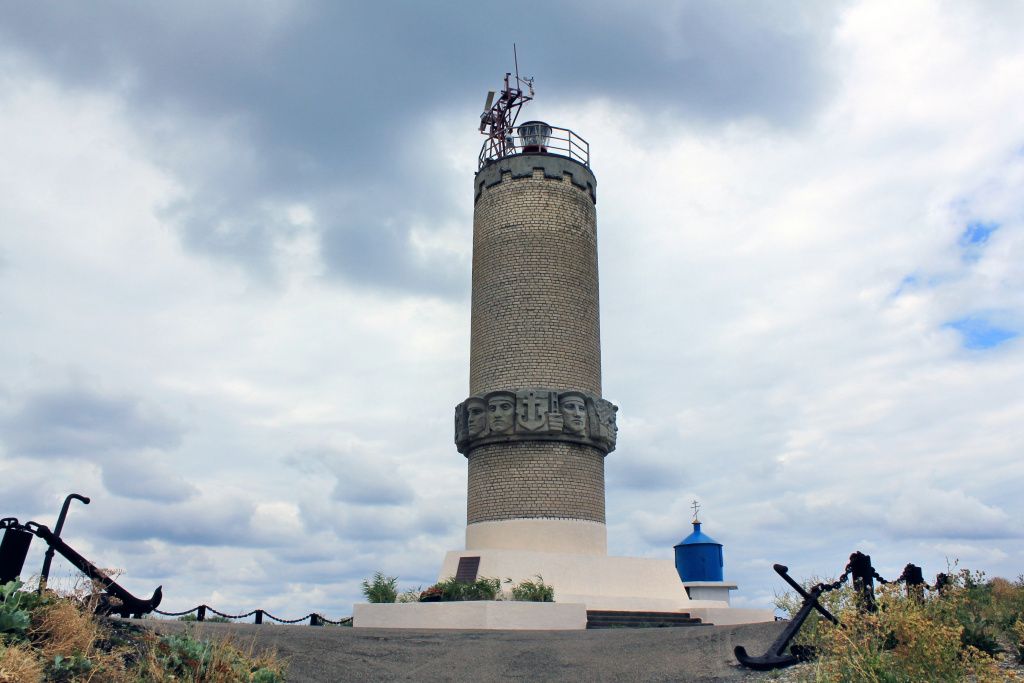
(499, 118)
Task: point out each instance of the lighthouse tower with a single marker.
(535, 429)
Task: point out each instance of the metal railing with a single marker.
(561, 142)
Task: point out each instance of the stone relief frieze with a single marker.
(535, 414)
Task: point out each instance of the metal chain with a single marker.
(176, 614)
(231, 616)
(826, 587)
(339, 622)
(268, 615)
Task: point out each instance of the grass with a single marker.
(58, 639)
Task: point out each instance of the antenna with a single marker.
(498, 120)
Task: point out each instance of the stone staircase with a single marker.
(616, 619)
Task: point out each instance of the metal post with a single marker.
(913, 577)
(314, 620)
(201, 613)
(863, 575)
(13, 551)
(259, 616)
(44, 574)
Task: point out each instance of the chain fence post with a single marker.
(863, 579)
(201, 613)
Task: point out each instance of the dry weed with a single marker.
(62, 628)
(18, 664)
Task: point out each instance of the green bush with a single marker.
(16, 608)
(411, 595)
(381, 588)
(450, 590)
(533, 591)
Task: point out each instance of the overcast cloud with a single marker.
(235, 262)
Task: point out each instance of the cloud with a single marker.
(80, 423)
(331, 106)
(933, 513)
(145, 476)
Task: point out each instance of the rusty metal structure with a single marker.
(14, 549)
(505, 138)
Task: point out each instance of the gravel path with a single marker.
(694, 654)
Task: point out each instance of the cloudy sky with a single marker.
(235, 268)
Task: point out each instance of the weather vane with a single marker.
(696, 510)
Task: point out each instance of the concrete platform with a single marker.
(598, 581)
(329, 654)
(474, 615)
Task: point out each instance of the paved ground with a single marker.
(697, 654)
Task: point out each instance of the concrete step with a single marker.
(619, 619)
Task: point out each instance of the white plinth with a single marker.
(599, 582)
(709, 590)
(482, 615)
(572, 536)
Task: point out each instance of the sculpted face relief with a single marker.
(476, 420)
(501, 413)
(574, 413)
(535, 414)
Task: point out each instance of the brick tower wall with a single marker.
(535, 323)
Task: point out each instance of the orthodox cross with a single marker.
(696, 510)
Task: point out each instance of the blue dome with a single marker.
(696, 537)
(699, 557)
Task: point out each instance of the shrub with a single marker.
(1018, 633)
(450, 590)
(58, 639)
(210, 619)
(16, 607)
(18, 662)
(411, 595)
(904, 641)
(533, 591)
(381, 588)
(184, 657)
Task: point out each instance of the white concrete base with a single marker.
(599, 582)
(709, 590)
(578, 537)
(482, 615)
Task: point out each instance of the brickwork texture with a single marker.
(535, 288)
(535, 323)
(536, 479)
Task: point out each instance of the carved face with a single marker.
(574, 414)
(477, 416)
(501, 412)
